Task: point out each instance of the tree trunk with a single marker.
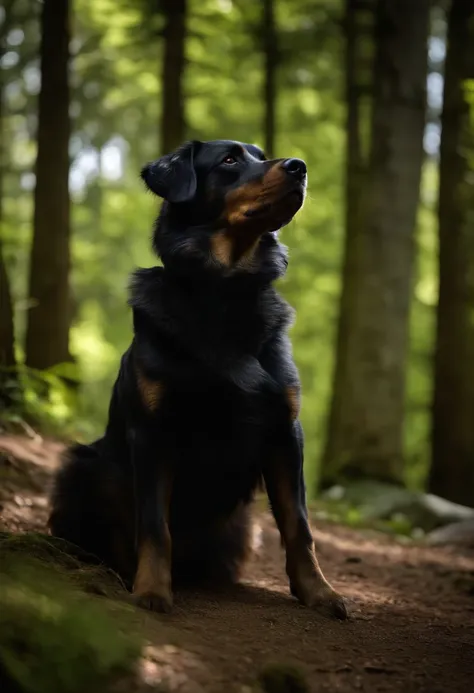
(365, 423)
(8, 369)
(270, 52)
(8, 372)
(452, 469)
(8, 366)
(172, 117)
(358, 22)
(47, 334)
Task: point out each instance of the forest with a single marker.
(386, 394)
(377, 97)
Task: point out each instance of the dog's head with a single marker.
(223, 200)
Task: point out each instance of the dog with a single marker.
(205, 406)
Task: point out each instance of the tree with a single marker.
(270, 53)
(364, 437)
(8, 365)
(47, 335)
(174, 36)
(452, 468)
(358, 33)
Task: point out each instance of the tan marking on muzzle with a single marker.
(241, 200)
(253, 195)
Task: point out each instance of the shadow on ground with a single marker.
(411, 626)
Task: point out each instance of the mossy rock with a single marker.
(82, 569)
(377, 501)
(53, 638)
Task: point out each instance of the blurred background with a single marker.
(376, 95)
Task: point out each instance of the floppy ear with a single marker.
(173, 176)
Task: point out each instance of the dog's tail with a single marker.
(71, 493)
(88, 507)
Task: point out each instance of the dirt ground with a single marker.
(411, 625)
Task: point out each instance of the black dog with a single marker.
(206, 402)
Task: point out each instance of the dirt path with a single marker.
(412, 608)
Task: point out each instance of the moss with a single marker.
(282, 678)
(82, 569)
(53, 638)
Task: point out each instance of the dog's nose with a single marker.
(295, 167)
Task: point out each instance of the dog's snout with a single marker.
(295, 167)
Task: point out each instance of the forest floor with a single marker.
(411, 625)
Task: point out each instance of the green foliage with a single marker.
(45, 399)
(52, 638)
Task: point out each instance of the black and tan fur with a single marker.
(207, 397)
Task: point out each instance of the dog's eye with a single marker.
(229, 160)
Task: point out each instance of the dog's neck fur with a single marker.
(193, 298)
(186, 251)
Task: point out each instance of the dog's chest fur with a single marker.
(218, 405)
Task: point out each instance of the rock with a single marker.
(381, 501)
(429, 512)
(374, 499)
(455, 534)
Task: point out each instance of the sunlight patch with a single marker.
(171, 668)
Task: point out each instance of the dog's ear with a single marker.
(173, 176)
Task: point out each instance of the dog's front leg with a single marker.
(283, 474)
(153, 483)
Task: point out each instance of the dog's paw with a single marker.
(331, 605)
(151, 601)
(322, 599)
